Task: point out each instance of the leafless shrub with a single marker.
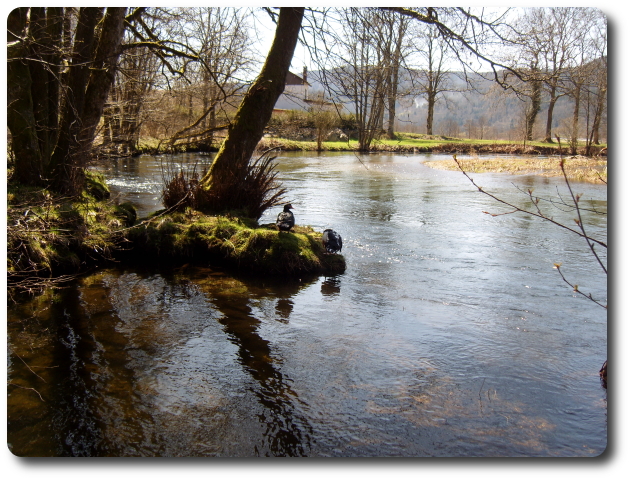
(250, 195)
(181, 186)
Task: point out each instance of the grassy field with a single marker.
(407, 142)
(410, 142)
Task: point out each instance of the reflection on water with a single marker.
(448, 335)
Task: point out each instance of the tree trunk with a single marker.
(393, 90)
(552, 103)
(576, 116)
(20, 113)
(39, 76)
(229, 168)
(65, 169)
(601, 101)
(391, 101)
(103, 70)
(430, 110)
(92, 74)
(54, 32)
(534, 109)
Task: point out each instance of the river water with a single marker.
(450, 334)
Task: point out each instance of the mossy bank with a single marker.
(192, 237)
(51, 236)
(51, 239)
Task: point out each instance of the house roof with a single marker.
(293, 79)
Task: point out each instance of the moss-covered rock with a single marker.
(127, 213)
(192, 236)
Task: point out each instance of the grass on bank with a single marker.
(579, 169)
(406, 142)
(232, 242)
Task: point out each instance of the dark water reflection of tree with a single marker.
(286, 431)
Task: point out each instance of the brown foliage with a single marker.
(256, 192)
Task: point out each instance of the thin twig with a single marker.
(576, 288)
(579, 221)
(519, 209)
(26, 364)
(27, 388)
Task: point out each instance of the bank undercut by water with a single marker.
(192, 237)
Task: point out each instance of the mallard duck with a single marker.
(286, 220)
(332, 241)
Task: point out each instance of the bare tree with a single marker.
(552, 46)
(400, 27)
(364, 57)
(434, 77)
(359, 71)
(123, 116)
(226, 180)
(325, 119)
(598, 89)
(558, 29)
(220, 38)
(51, 145)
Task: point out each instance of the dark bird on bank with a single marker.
(286, 220)
(332, 241)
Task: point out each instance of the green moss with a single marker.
(96, 185)
(126, 212)
(233, 242)
(50, 235)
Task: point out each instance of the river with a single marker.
(449, 334)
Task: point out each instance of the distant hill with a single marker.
(487, 112)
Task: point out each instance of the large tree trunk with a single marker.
(102, 72)
(230, 166)
(91, 77)
(65, 170)
(20, 112)
(39, 77)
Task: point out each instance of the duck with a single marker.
(285, 220)
(332, 241)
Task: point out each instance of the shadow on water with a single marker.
(112, 376)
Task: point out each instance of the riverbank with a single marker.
(405, 143)
(52, 239)
(578, 169)
(425, 145)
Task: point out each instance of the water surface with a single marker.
(450, 334)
